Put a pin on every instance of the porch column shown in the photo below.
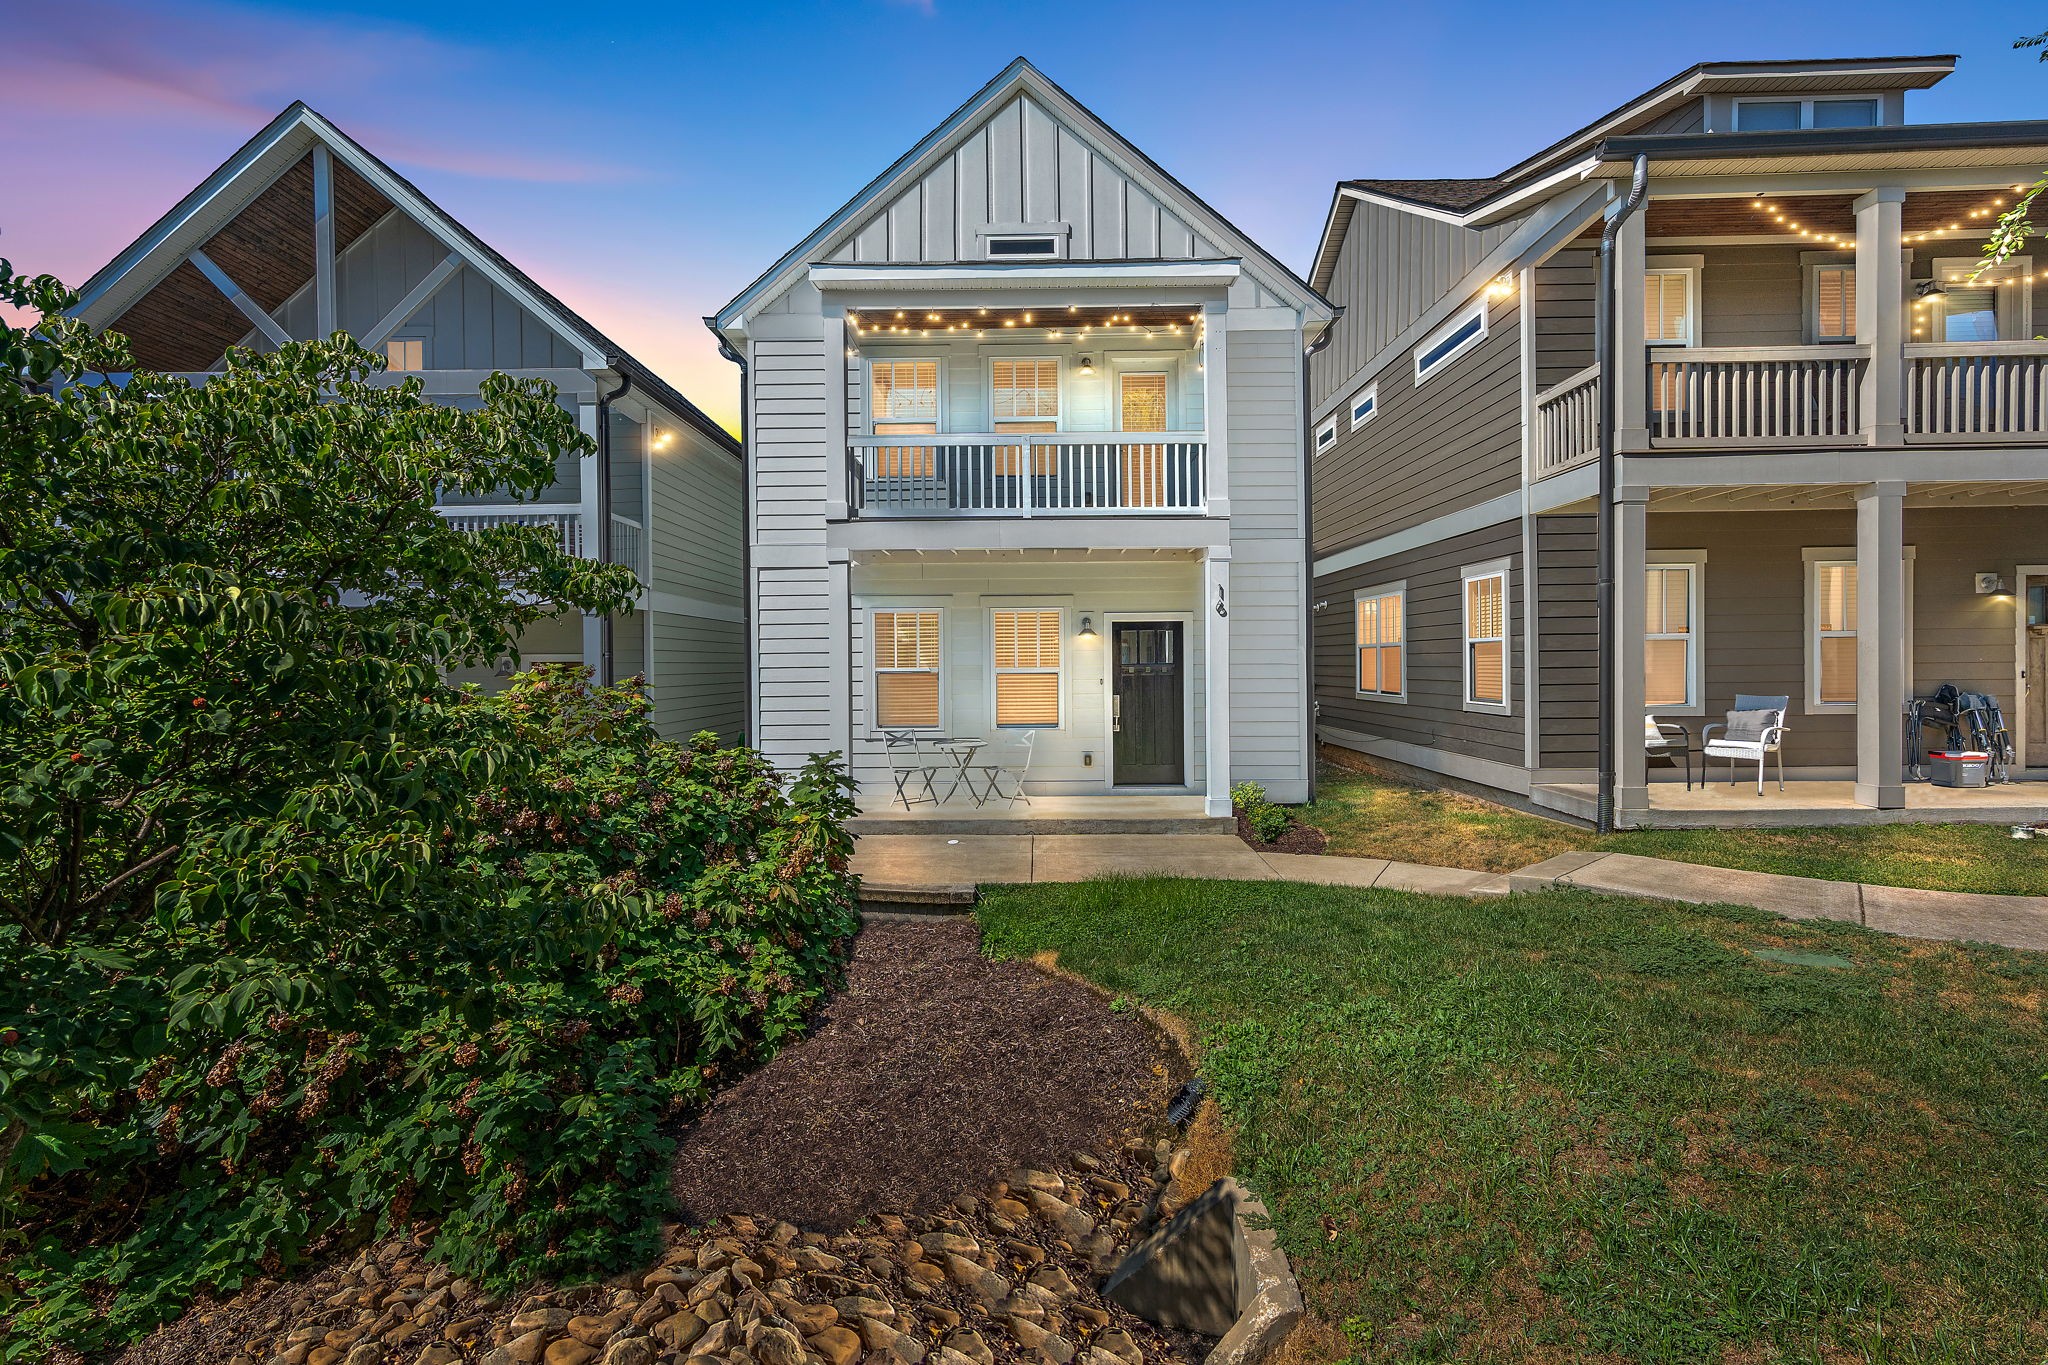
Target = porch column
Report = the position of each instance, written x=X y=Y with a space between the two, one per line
x=839 y=649
x=1216 y=408
x=1631 y=353
x=1881 y=313
x=1881 y=645
x=1631 y=759
x=1215 y=610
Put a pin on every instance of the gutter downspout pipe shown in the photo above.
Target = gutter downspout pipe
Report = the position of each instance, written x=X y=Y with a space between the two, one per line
x=1603 y=600
x=1308 y=547
x=606 y=666
x=730 y=352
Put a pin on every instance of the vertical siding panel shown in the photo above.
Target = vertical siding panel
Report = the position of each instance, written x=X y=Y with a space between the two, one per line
x=1142 y=233
x=1108 y=193
x=906 y=226
x=1006 y=163
x=1074 y=157
x=973 y=192
x=941 y=241
x=1040 y=164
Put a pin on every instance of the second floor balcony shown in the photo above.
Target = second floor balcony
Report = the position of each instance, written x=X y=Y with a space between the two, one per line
x=1049 y=474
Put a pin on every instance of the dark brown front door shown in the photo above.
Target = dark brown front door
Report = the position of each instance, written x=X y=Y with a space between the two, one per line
x=1148 y=704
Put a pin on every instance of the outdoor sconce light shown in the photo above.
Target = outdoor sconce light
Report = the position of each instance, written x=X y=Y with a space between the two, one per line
x=1087 y=635
x=1087 y=366
x=1988 y=583
x=1503 y=285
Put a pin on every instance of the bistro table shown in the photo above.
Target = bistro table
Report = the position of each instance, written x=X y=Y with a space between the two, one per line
x=961 y=751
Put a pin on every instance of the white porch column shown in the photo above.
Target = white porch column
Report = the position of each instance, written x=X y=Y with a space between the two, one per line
x=1215 y=611
x=839 y=649
x=1216 y=407
x=1881 y=645
x=1631 y=759
x=1881 y=313
x=1631 y=354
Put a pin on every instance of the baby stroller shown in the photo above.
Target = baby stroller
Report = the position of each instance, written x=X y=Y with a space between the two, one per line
x=1966 y=721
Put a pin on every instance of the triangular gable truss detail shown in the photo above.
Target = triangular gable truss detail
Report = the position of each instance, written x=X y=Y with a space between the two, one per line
x=1156 y=217
x=249 y=229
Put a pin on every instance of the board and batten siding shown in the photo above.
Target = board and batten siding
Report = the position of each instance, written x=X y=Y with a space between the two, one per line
x=1434 y=715
x=1455 y=441
x=1754 y=616
x=1393 y=267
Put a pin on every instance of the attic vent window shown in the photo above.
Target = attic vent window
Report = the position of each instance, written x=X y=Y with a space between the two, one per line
x=1023 y=246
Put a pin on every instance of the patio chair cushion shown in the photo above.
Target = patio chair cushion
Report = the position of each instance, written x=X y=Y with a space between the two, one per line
x=1747 y=727
x=1735 y=748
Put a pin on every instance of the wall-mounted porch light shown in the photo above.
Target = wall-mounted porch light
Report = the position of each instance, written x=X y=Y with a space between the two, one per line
x=1989 y=584
x=1087 y=634
x=1087 y=365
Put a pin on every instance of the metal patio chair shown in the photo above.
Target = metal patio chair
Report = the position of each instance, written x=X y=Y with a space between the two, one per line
x=1012 y=761
x=911 y=768
x=1669 y=739
x=1753 y=730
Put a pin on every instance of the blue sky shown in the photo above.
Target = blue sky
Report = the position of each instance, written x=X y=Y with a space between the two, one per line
x=646 y=160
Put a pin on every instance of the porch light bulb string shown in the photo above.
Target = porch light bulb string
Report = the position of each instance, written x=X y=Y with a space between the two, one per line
x=900 y=322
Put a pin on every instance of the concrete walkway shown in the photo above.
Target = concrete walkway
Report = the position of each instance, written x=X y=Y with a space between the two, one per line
x=926 y=863
x=2015 y=921
x=934 y=870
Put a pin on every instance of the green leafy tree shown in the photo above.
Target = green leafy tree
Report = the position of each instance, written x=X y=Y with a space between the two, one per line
x=2015 y=225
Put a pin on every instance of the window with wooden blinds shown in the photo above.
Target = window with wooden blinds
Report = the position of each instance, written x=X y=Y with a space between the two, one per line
x=1834 y=303
x=1027 y=668
x=1667 y=307
x=1025 y=395
x=903 y=400
x=1379 y=627
x=1834 y=625
x=906 y=670
x=1486 y=639
x=1668 y=635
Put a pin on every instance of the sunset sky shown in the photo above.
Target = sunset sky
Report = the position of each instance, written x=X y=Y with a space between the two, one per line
x=645 y=161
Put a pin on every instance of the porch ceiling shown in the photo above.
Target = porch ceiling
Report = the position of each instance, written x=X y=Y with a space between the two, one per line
x=1816 y=215
x=1041 y=556
x=1099 y=323
x=1817 y=497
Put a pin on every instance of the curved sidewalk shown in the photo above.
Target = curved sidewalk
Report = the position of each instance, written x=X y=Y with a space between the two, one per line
x=938 y=871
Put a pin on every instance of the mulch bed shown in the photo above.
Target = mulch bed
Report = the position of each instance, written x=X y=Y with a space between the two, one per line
x=1299 y=838
x=935 y=1071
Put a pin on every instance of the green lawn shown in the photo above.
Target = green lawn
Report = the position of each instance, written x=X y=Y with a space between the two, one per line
x=1367 y=815
x=1566 y=1126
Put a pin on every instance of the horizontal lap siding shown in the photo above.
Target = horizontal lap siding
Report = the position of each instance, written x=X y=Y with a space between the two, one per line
x=699 y=671
x=1434 y=716
x=1568 y=642
x=1268 y=694
x=697 y=521
x=1565 y=288
x=794 y=677
x=1750 y=296
x=1455 y=441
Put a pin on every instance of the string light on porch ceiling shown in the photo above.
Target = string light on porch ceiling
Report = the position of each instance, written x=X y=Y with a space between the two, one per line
x=1984 y=215
x=1074 y=323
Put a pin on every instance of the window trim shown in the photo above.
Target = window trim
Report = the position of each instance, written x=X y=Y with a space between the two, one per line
x=423 y=335
x=1059 y=672
x=875 y=670
x=1810 y=637
x=1806 y=103
x=1326 y=435
x=2015 y=306
x=1695 y=563
x=1370 y=394
x=1396 y=590
x=1811 y=263
x=867 y=393
x=1453 y=325
x=1691 y=268
x=1471 y=573
x=1054 y=243
x=1059 y=380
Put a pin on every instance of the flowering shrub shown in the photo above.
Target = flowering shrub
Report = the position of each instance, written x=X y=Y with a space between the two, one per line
x=296 y=942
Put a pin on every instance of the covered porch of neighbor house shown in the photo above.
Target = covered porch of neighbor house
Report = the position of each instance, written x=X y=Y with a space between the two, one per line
x=1085 y=677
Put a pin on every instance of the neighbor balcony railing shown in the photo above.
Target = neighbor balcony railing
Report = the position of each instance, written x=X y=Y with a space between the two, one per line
x=1991 y=391
x=1568 y=423
x=1756 y=395
x=567 y=526
x=1018 y=475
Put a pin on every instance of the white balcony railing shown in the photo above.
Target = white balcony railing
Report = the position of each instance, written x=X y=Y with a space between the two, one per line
x=1757 y=396
x=627 y=540
x=566 y=525
x=1990 y=391
x=1568 y=423
x=1045 y=474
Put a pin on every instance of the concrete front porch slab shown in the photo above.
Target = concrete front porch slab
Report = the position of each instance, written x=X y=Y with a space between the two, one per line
x=1077 y=857
x=903 y=861
x=1136 y=813
x=1808 y=803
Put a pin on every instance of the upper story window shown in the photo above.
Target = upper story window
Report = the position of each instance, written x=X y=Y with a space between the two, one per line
x=1670 y=306
x=903 y=397
x=1764 y=116
x=1024 y=245
x=1364 y=405
x=1326 y=435
x=1831 y=289
x=1464 y=331
x=405 y=355
x=1024 y=395
x=1979 y=303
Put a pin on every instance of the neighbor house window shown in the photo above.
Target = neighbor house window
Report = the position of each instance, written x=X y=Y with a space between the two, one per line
x=1983 y=303
x=1379 y=625
x=1832 y=289
x=1486 y=638
x=1766 y=116
x=1364 y=404
x=1833 y=618
x=1668 y=307
x=1326 y=435
x=1671 y=652
x=903 y=400
x=1464 y=331
x=1027 y=668
x=906 y=670
x=405 y=355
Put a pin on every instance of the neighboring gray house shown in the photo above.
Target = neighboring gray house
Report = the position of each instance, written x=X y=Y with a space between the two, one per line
x=1024 y=451
x=1832 y=444
x=302 y=232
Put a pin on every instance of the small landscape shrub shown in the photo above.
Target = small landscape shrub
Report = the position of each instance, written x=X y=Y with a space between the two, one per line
x=1268 y=820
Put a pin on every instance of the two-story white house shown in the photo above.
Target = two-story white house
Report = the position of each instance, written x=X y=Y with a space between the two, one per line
x=1024 y=451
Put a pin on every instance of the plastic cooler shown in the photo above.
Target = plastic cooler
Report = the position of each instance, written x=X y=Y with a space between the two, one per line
x=1960 y=769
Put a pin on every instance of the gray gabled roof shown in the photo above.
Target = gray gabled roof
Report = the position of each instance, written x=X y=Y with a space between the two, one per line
x=245 y=174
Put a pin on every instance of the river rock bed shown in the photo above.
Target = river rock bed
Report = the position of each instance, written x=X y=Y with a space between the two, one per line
x=1007 y=1276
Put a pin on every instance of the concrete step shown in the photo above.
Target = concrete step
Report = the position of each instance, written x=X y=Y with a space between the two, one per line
x=1025 y=823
